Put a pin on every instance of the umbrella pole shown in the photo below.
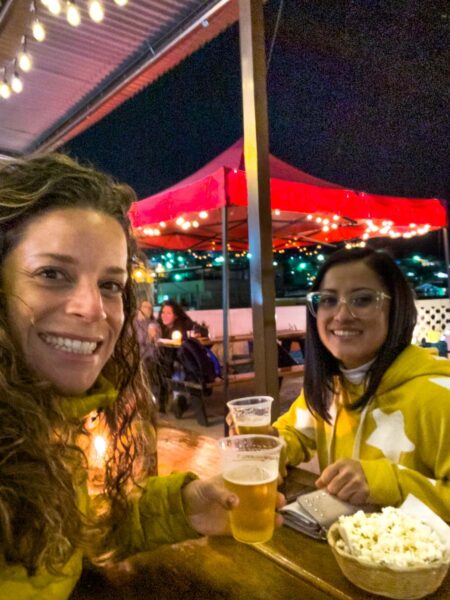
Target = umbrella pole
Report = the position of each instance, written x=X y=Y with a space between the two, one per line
x=446 y=258
x=225 y=308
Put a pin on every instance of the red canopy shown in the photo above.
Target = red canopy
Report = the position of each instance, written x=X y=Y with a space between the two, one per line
x=305 y=209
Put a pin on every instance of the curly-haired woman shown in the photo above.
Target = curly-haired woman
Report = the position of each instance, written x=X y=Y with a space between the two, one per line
x=77 y=439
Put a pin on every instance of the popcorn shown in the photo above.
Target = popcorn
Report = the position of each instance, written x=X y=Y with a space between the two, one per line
x=390 y=538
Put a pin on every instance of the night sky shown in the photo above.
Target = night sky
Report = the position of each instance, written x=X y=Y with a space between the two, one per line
x=357 y=90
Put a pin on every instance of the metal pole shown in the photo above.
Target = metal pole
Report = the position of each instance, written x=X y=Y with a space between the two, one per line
x=256 y=153
x=225 y=308
x=446 y=257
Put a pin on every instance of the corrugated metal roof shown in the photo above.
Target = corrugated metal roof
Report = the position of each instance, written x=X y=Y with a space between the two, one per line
x=81 y=74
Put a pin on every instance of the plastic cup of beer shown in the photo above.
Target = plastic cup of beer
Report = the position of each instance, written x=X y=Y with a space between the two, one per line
x=250 y=470
x=251 y=414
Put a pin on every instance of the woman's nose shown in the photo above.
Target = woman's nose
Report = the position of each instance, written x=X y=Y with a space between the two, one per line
x=342 y=310
x=86 y=301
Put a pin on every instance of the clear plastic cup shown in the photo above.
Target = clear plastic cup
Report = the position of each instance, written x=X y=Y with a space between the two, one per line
x=250 y=470
x=251 y=415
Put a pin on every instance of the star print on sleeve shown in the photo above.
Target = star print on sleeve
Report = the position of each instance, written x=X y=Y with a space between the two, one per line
x=304 y=422
x=442 y=381
x=389 y=435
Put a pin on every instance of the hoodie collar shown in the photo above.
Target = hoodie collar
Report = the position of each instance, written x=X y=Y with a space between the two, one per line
x=101 y=395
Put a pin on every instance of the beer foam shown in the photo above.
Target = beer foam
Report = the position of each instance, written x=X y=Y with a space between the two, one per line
x=253 y=420
x=250 y=474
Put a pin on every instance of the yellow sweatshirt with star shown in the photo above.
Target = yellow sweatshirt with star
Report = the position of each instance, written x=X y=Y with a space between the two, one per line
x=402 y=439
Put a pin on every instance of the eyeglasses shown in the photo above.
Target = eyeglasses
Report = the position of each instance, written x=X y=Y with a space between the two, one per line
x=361 y=304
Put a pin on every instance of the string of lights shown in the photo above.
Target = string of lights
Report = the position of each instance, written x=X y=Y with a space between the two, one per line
x=12 y=70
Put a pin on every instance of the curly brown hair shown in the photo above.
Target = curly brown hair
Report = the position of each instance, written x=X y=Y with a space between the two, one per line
x=40 y=460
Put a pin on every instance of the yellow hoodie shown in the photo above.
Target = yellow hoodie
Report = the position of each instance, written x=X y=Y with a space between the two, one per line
x=402 y=438
x=156 y=517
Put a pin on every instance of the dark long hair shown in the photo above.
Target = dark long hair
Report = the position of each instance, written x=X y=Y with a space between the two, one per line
x=321 y=368
x=40 y=521
x=182 y=320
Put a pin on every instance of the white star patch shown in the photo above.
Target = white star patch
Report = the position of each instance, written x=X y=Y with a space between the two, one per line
x=389 y=435
x=305 y=423
x=442 y=381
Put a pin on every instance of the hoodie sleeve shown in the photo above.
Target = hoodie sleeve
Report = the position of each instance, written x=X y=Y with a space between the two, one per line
x=423 y=470
x=298 y=429
x=157 y=515
x=390 y=484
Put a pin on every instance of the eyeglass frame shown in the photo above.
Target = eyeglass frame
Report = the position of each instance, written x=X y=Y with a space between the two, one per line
x=379 y=295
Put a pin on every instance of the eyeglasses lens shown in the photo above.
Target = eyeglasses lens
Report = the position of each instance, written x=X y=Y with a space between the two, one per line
x=360 y=304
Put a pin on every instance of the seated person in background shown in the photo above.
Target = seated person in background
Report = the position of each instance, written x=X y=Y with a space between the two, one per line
x=70 y=369
x=148 y=332
x=146 y=326
x=172 y=317
x=375 y=408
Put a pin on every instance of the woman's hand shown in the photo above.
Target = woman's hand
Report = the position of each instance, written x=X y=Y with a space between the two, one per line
x=207 y=503
x=345 y=479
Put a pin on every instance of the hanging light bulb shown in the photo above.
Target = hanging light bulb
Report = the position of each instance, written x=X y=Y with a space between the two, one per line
x=24 y=61
x=121 y=2
x=54 y=6
x=38 y=30
x=5 y=90
x=96 y=10
x=24 y=58
x=16 y=83
x=73 y=14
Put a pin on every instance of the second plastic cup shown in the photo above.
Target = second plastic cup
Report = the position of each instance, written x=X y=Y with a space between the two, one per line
x=250 y=470
x=251 y=415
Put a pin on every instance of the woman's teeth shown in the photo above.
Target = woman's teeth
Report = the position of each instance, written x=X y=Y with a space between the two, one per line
x=69 y=345
x=345 y=333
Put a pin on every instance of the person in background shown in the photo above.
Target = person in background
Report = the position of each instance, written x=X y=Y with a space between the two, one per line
x=172 y=317
x=70 y=379
x=148 y=332
x=374 y=407
x=146 y=326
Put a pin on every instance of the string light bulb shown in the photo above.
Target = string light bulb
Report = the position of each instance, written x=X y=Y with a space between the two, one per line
x=96 y=11
x=38 y=30
x=54 y=6
x=16 y=83
x=121 y=2
x=24 y=58
x=5 y=90
x=73 y=14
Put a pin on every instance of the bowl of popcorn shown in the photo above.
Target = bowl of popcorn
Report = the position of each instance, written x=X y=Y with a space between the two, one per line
x=390 y=553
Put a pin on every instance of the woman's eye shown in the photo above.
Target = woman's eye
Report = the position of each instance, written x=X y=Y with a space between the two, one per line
x=363 y=300
x=328 y=301
x=52 y=274
x=113 y=287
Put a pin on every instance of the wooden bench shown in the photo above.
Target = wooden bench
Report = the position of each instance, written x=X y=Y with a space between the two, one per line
x=197 y=392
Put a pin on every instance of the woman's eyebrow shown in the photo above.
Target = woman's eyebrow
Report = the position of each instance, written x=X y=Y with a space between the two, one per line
x=70 y=260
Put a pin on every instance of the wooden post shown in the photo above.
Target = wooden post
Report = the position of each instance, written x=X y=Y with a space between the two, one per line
x=256 y=153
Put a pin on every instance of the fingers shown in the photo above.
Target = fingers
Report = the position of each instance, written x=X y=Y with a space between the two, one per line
x=281 y=501
x=345 y=479
x=328 y=474
x=278 y=520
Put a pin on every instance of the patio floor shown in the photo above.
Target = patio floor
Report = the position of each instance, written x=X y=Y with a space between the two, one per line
x=215 y=408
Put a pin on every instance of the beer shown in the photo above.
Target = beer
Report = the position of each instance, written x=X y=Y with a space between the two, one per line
x=256 y=486
x=253 y=424
x=251 y=415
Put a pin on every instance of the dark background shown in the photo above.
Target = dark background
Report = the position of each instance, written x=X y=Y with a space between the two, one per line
x=357 y=90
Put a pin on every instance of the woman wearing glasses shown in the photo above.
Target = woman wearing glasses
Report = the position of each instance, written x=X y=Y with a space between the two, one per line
x=374 y=407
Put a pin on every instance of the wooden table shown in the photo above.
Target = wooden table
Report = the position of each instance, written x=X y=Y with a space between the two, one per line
x=289 y=567
x=282 y=334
